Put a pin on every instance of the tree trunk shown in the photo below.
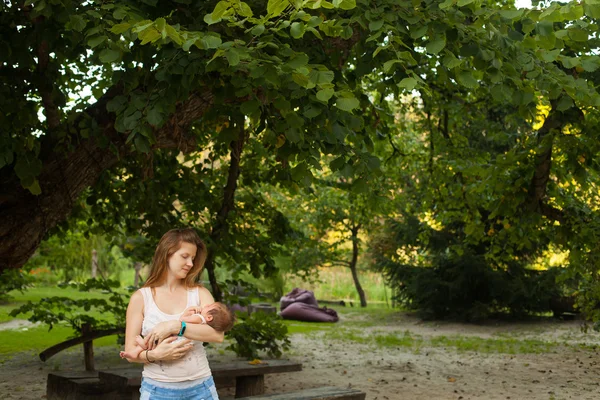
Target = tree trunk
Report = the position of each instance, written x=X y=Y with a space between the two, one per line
x=26 y=218
x=353 y=263
x=136 y=279
x=94 y=263
x=221 y=227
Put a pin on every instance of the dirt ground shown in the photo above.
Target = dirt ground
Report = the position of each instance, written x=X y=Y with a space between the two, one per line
x=569 y=369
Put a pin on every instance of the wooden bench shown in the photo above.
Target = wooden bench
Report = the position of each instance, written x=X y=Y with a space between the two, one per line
x=322 y=393
x=249 y=378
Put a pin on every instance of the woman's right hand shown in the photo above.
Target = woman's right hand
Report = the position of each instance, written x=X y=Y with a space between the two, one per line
x=169 y=349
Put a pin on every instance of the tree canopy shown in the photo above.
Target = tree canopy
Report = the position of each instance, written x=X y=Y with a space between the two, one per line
x=152 y=110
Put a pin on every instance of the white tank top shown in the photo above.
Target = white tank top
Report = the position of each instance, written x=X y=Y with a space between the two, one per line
x=193 y=365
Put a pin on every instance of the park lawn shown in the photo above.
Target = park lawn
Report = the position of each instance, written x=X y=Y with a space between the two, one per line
x=37 y=293
x=38 y=338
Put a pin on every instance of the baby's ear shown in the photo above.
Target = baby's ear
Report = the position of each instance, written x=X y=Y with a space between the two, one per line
x=209 y=318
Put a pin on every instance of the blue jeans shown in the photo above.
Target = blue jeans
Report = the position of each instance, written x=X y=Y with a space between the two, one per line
x=203 y=391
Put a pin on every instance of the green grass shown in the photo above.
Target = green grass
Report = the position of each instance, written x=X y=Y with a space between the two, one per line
x=35 y=294
x=459 y=343
x=38 y=338
x=504 y=346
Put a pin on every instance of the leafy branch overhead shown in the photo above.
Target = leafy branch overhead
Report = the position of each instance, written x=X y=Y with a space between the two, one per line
x=121 y=84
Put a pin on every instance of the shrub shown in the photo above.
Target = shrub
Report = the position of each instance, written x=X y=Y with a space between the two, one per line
x=259 y=332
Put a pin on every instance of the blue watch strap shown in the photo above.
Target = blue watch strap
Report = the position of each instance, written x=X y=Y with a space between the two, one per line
x=182 y=330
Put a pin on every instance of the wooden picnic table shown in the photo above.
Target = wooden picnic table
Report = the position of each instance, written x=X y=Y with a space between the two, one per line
x=249 y=378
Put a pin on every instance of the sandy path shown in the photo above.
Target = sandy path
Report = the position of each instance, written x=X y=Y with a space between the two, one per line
x=428 y=372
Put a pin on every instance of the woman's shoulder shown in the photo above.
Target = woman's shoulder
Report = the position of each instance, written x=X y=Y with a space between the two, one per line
x=205 y=296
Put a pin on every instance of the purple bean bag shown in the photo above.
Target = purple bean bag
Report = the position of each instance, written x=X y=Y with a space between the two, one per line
x=309 y=313
x=298 y=295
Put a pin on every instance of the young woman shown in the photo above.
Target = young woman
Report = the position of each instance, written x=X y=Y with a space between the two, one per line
x=175 y=363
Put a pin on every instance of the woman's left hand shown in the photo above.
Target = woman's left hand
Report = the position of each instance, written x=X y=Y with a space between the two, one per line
x=160 y=332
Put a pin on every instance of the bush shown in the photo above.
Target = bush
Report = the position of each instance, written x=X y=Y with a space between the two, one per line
x=257 y=333
x=12 y=279
x=470 y=289
x=76 y=313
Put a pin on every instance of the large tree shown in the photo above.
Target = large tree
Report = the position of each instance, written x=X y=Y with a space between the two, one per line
x=166 y=76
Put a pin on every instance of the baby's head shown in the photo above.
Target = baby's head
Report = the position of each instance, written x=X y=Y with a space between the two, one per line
x=219 y=316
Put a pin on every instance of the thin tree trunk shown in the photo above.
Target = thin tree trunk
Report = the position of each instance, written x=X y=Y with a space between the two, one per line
x=353 y=264
x=136 y=279
x=221 y=226
x=94 y=263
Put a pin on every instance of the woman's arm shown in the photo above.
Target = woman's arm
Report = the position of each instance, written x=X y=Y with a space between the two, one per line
x=133 y=326
x=166 y=350
x=201 y=333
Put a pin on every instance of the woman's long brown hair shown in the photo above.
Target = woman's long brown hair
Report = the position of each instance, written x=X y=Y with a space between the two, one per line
x=169 y=243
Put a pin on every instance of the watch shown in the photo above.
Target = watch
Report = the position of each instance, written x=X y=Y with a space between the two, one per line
x=182 y=330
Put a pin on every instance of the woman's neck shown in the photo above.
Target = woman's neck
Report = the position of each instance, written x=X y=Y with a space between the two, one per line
x=173 y=284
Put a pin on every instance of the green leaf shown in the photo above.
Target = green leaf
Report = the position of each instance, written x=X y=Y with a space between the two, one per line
x=446 y=4
x=347 y=103
x=545 y=28
x=208 y=18
x=408 y=83
x=233 y=57
x=220 y=9
x=590 y=64
x=211 y=42
x=338 y=163
x=376 y=25
x=510 y=14
x=95 y=41
x=141 y=144
x=321 y=77
x=160 y=25
x=154 y=117
x=149 y=35
x=119 y=13
x=120 y=28
x=344 y=4
x=462 y=3
x=467 y=79
x=174 y=35
x=109 y=55
x=35 y=188
x=77 y=23
x=564 y=103
x=244 y=10
x=258 y=30
x=420 y=32
x=436 y=46
x=578 y=34
x=387 y=66
x=570 y=62
x=250 y=107
x=276 y=7
x=297 y=30
x=325 y=94
x=297 y=61
x=450 y=61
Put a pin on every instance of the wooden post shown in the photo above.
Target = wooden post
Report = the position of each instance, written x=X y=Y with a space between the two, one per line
x=94 y=263
x=136 y=278
x=88 y=348
x=246 y=386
